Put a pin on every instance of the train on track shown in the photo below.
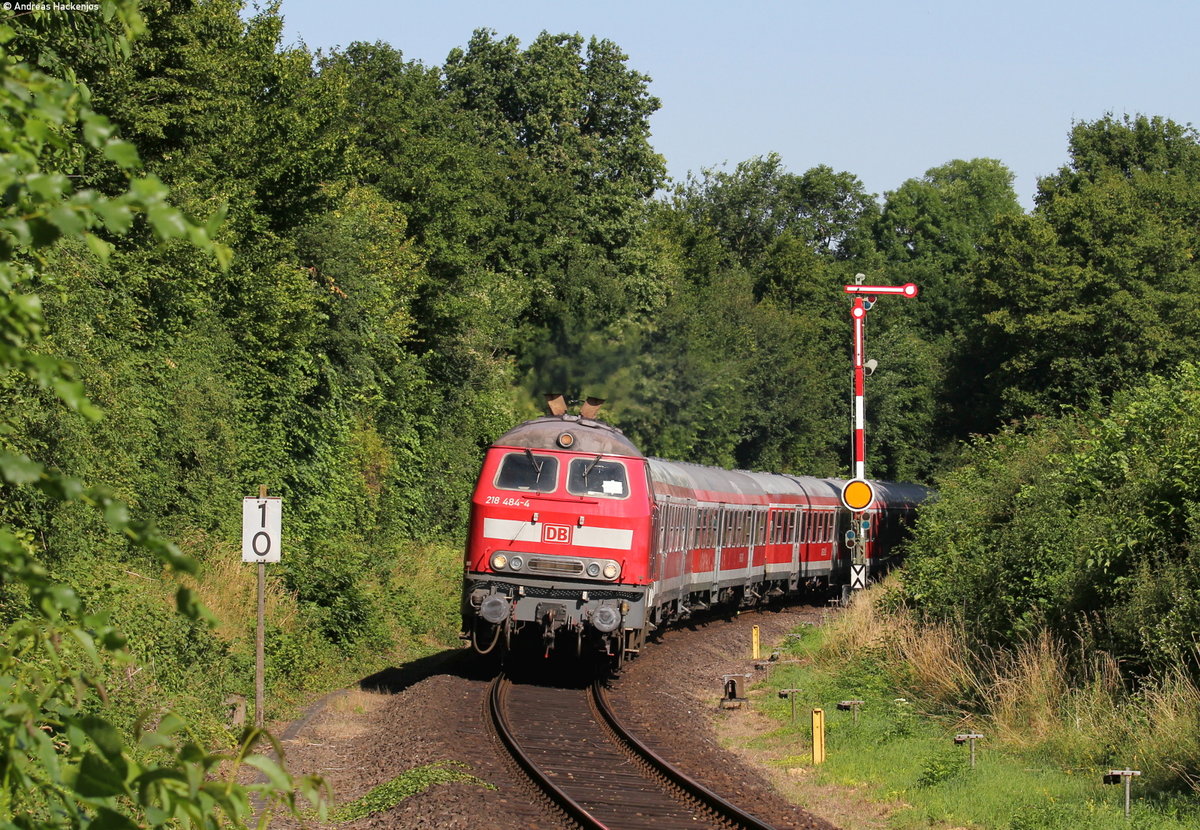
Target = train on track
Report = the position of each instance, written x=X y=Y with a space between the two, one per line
x=578 y=540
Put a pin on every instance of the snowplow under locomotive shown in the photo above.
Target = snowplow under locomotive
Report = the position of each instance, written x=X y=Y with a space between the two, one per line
x=576 y=538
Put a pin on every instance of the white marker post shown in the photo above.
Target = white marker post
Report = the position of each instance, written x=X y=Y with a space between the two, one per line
x=261 y=541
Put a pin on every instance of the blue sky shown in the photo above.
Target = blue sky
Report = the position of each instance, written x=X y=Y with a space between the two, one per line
x=882 y=90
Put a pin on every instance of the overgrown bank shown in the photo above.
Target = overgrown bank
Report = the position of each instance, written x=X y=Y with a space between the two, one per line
x=1049 y=602
x=1086 y=526
x=1050 y=732
x=205 y=672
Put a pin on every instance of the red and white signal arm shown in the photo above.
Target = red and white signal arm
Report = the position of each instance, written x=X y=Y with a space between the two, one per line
x=857 y=494
x=262 y=521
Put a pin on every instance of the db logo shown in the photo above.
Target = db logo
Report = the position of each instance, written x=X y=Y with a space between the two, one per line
x=556 y=534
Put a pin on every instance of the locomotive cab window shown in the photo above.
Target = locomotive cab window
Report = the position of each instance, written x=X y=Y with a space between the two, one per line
x=526 y=471
x=597 y=477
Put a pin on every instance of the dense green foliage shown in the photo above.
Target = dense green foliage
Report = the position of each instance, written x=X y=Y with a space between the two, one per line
x=396 y=260
x=1103 y=543
x=63 y=761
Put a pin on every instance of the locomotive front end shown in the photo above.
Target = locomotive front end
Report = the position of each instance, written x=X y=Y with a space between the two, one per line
x=559 y=539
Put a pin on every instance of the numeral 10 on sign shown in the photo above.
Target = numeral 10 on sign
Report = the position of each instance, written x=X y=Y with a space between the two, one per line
x=261 y=522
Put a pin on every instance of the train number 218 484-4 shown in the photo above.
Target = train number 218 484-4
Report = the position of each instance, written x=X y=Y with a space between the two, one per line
x=508 y=502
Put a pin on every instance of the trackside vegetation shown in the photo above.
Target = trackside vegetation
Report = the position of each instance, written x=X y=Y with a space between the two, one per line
x=64 y=761
x=1108 y=498
x=1052 y=727
x=1072 y=662
x=391 y=793
x=227 y=261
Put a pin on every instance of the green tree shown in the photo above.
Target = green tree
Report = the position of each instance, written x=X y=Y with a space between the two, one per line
x=1100 y=544
x=1098 y=286
x=573 y=124
x=931 y=231
x=582 y=119
x=63 y=764
x=759 y=202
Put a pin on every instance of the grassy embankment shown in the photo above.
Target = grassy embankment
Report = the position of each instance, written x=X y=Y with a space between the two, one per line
x=194 y=669
x=1054 y=723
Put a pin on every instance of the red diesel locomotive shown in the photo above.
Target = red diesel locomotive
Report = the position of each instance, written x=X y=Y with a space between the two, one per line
x=576 y=536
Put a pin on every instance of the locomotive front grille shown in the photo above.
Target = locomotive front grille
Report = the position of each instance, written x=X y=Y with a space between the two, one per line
x=555 y=566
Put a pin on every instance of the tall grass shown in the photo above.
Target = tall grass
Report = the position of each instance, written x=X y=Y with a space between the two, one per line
x=195 y=671
x=1062 y=701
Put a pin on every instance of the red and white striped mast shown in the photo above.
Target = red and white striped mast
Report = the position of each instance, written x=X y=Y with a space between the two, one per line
x=866 y=297
x=857 y=493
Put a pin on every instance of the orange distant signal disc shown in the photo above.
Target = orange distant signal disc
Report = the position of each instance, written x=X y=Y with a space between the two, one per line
x=857 y=494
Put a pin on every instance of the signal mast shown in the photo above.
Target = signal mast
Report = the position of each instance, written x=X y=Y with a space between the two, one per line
x=857 y=493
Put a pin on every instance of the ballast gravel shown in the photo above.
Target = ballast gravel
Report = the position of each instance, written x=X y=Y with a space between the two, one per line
x=432 y=711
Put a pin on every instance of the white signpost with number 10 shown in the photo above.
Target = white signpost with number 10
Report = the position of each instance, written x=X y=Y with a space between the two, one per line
x=261 y=521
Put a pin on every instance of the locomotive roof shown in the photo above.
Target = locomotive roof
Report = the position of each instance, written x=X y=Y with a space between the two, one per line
x=590 y=436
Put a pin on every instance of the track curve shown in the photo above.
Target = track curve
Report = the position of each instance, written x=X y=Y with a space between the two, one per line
x=572 y=747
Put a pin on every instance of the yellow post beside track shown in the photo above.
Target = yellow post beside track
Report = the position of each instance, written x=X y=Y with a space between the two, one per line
x=818 y=736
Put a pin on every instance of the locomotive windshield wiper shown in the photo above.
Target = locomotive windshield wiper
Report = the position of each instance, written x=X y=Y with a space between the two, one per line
x=537 y=466
x=588 y=469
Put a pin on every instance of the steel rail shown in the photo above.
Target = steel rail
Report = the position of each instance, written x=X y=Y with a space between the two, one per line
x=720 y=808
x=558 y=799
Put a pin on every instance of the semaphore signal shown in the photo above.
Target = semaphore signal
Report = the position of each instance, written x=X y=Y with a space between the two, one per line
x=857 y=494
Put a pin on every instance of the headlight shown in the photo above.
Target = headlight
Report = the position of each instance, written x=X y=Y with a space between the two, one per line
x=593 y=570
x=499 y=560
x=516 y=563
x=611 y=570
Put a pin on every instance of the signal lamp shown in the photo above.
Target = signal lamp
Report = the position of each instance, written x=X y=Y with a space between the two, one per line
x=499 y=561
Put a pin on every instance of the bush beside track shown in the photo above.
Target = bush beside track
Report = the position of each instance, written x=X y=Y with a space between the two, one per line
x=1046 y=747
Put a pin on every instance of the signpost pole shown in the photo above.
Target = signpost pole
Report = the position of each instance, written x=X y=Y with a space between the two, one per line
x=262 y=538
x=260 y=636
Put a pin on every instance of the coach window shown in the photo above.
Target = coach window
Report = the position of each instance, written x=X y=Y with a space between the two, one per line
x=597 y=477
x=526 y=471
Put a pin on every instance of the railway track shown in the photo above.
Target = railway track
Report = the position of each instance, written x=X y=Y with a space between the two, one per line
x=573 y=749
